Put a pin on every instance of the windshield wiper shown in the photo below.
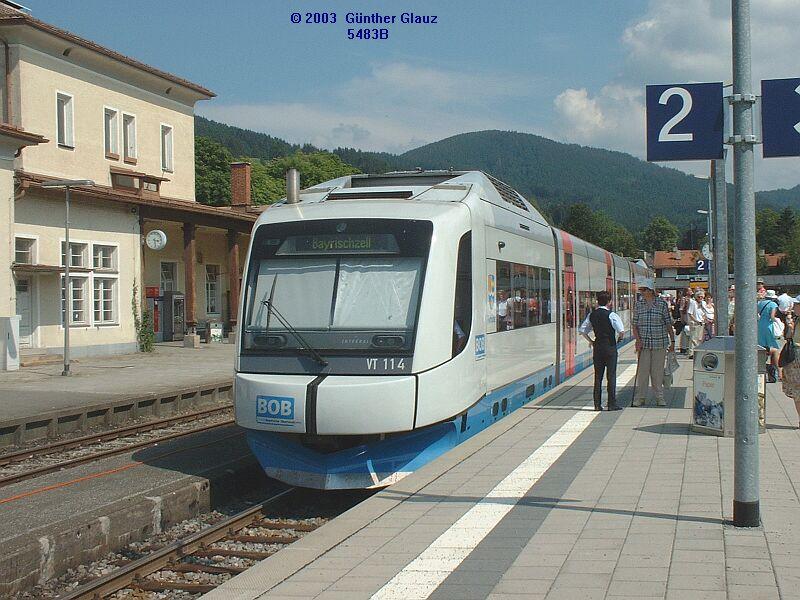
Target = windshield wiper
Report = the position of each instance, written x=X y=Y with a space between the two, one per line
x=300 y=339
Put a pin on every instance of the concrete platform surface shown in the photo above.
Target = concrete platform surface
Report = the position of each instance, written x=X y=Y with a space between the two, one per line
x=560 y=502
x=35 y=392
x=76 y=515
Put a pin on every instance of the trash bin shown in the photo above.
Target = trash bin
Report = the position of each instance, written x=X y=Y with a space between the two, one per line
x=714 y=397
x=215 y=331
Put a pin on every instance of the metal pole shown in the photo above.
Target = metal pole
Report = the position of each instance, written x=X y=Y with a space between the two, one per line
x=712 y=286
x=745 y=456
x=67 y=290
x=721 y=245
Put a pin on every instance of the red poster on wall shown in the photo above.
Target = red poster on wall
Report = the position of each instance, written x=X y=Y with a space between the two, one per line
x=152 y=291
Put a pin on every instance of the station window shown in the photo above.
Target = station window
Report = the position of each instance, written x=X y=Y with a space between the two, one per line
x=65 y=134
x=166 y=148
x=523 y=296
x=77 y=254
x=105 y=300
x=24 y=251
x=129 y=138
x=111 y=132
x=168 y=270
x=462 y=312
x=78 y=315
x=212 y=289
x=104 y=257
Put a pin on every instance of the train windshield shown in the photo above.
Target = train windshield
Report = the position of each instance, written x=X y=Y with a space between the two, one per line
x=343 y=285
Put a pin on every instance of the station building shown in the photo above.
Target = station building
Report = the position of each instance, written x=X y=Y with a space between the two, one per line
x=73 y=109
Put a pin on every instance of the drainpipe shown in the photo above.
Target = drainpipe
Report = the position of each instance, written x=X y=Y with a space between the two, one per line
x=7 y=83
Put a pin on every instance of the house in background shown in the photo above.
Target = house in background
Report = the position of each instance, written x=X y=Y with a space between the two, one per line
x=77 y=110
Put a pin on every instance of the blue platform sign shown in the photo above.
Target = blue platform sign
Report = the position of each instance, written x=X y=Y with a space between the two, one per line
x=703 y=265
x=780 y=117
x=684 y=121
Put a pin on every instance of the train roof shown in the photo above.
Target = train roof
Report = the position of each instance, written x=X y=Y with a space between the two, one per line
x=422 y=186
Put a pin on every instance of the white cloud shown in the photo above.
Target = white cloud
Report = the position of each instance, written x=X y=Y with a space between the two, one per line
x=582 y=114
x=395 y=107
x=683 y=41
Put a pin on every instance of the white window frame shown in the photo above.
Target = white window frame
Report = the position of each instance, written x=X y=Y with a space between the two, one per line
x=87 y=253
x=175 y=273
x=34 y=239
x=69 y=121
x=167 y=153
x=87 y=310
x=101 y=322
x=114 y=268
x=218 y=290
x=126 y=156
x=112 y=150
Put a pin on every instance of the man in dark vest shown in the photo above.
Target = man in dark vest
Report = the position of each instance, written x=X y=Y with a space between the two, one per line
x=608 y=330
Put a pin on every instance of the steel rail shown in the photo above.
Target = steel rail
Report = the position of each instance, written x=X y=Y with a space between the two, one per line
x=97 y=438
x=127 y=575
x=45 y=469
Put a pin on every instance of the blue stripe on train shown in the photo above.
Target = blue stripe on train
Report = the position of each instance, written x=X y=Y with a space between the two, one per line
x=368 y=464
x=377 y=463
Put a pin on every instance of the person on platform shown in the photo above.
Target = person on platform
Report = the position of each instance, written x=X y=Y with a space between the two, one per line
x=731 y=309
x=696 y=320
x=608 y=331
x=683 y=310
x=710 y=313
x=652 y=330
x=791 y=371
x=767 y=315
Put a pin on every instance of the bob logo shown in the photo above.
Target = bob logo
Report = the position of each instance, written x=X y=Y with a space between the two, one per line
x=274 y=410
x=480 y=346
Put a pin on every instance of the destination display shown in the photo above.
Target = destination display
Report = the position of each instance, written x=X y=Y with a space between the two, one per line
x=343 y=243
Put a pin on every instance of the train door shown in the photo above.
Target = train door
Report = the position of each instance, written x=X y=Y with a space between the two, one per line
x=610 y=278
x=568 y=287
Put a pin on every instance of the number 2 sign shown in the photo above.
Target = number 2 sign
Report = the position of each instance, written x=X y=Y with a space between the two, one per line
x=684 y=121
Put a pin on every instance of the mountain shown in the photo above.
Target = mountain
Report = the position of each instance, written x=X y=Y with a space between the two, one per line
x=245 y=142
x=552 y=174
x=780 y=198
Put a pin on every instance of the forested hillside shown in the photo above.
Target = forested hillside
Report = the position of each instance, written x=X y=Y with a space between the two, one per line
x=610 y=198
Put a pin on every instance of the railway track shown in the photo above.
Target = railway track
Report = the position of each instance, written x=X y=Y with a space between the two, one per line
x=26 y=464
x=204 y=560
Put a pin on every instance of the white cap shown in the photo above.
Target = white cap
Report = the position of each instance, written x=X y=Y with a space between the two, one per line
x=771 y=294
x=785 y=304
x=645 y=282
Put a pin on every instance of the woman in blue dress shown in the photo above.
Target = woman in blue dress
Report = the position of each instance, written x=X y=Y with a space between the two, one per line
x=766 y=334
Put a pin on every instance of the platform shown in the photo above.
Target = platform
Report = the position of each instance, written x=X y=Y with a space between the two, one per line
x=560 y=502
x=38 y=402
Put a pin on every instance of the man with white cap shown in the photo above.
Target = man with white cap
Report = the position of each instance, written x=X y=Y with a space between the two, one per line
x=696 y=320
x=653 y=332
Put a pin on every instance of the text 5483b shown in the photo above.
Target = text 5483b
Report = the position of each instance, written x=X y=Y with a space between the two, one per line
x=368 y=34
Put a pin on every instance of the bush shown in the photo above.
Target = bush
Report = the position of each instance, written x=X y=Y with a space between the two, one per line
x=145 y=335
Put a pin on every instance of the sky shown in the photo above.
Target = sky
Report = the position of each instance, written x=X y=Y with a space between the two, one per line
x=571 y=70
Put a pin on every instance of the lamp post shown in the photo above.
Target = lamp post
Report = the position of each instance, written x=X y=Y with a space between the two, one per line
x=67 y=184
x=712 y=288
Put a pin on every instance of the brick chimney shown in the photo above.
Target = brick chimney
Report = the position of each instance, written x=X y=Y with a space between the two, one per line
x=240 y=185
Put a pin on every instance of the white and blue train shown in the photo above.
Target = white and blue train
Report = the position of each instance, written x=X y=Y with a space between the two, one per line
x=387 y=318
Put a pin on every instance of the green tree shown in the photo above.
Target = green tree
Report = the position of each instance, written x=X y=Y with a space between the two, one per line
x=268 y=179
x=599 y=229
x=212 y=172
x=659 y=234
x=768 y=232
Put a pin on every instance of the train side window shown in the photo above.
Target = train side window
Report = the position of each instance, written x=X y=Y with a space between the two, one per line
x=523 y=296
x=545 y=301
x=462 y=313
